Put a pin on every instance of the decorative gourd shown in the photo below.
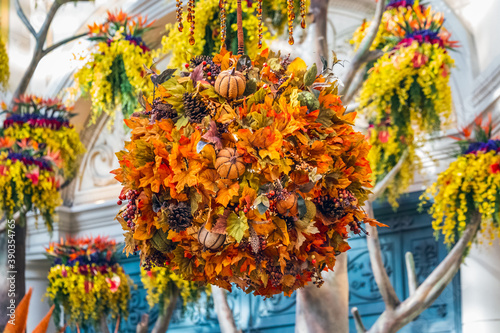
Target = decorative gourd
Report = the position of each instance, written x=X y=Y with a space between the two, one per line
x=160 y=241
x=211 y=240
x=230 y=84
x=288 y=207
x=230 y=164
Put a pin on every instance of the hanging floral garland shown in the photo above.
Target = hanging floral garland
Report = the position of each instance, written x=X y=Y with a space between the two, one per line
x=216 y=27
x=408 y=86
x=39 y=150
x=252 y=180
x=4 y=65
x=159 y=283
x=114 y=73
x=471 y=183
x=86 y=282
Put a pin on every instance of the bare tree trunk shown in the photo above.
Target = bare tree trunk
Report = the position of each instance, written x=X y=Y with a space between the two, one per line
x=161 y=325
x=319 y=8
x=224 y=313
x=104 y=325
x=325 y=309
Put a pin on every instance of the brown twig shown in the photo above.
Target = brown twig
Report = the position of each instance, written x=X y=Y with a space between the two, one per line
x=239 y=17
x=360 y=327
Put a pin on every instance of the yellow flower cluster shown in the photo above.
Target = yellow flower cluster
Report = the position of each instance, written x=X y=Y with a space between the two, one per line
x=470 y=182
x=4 y=65
x=385 y=154
x=159 y=283
x=110 y=84
x=18 y=192
x=65 y=140
x=393 y=76
x=412 y=96
x=178 y=42
x=87 y=297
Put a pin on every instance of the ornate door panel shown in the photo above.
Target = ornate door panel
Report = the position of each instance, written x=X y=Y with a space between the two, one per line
x=408 y=231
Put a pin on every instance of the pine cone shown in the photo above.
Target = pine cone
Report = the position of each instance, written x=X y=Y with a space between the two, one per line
x=162 y=111
x=195 y=109
x=200 y=59
x=180 y=217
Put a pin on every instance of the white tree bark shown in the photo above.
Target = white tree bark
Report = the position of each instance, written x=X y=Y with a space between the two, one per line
x=325 y=309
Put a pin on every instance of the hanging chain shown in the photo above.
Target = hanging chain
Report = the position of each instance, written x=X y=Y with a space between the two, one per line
x=222 y=8
x=179 y=15
x=291 y=18
x=191 y=19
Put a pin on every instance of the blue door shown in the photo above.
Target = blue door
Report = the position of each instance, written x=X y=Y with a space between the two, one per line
x=408 y=231
x=411 y=231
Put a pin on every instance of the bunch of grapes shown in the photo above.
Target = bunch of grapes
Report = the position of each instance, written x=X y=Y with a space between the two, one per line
x=131 y=210
x=336 y=208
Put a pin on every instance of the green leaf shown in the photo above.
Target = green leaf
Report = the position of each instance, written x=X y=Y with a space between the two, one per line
x=237 y=225
x=194 y=198
x=301 y=205
x=258 y=97
x=275 y=64
x=310 y=76
x=250 y=87
x=183 y=121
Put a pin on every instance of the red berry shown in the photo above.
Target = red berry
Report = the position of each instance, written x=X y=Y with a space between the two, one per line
x=245 y=210
x=167 y=263
x=272 y=193
x=264 y=86
x=209 y=73
x=204 y=63
x=186 y=65
x=236 y=209
x=119 y=202
x=314 y=261
x=265 y=64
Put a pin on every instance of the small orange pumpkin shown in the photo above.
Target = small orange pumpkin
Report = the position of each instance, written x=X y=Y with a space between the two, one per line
x=230 y=84
x=211 y=240
x=230 y=164
x=288 y=207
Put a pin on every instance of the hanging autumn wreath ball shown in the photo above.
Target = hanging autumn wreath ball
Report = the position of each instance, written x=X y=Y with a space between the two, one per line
x=113 y=74
x=471 y=183
x=86 y=283
x=254 y=179
x=407 y=88
x=39 y=150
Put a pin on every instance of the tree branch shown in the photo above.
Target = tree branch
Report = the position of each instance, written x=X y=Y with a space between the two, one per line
x=392 y=320
x=39 y=53
x=358 y=79
x=361 y=56
x=161 y=325
x=62 y=42
x=384 y=284
x=410 y=270
x=382 y=185
x=142 y=327
x=224 y=313
x=24 y=19
x=360 y=328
